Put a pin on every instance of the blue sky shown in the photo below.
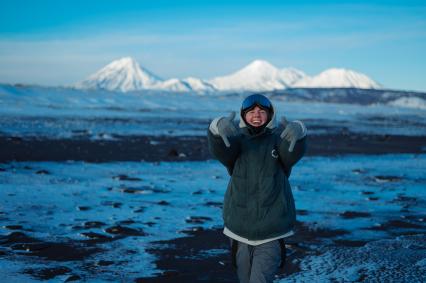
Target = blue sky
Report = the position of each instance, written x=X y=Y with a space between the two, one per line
x=62 y=42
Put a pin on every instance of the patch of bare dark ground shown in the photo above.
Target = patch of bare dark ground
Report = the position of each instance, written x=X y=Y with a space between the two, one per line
x=185 y=260
x=18 y=243
x=354 y=214
x=185 y=148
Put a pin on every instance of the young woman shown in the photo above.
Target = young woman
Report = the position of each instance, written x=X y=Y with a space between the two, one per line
x=259 y=209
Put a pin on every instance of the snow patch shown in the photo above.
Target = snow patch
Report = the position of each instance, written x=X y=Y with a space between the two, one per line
x=409 y=102
x=393 y=260
x=292 y=75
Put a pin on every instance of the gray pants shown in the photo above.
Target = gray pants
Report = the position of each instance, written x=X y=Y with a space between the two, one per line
x=258 y=264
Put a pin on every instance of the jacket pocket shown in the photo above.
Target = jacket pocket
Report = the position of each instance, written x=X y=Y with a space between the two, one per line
x=238 y=191
x=270 y=188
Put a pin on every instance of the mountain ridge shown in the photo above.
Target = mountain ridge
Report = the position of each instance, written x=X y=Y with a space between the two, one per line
x=126 y=74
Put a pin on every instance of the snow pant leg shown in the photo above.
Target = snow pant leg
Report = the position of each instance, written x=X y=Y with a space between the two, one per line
x=243 y=260
x=258 y=264
x=265 y=263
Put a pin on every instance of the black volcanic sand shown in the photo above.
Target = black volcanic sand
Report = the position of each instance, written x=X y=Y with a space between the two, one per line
x=186 y=148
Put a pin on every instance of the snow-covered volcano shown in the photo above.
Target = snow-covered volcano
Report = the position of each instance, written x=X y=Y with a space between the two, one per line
x=259 y=75
x=338 y=78
x=124 y=75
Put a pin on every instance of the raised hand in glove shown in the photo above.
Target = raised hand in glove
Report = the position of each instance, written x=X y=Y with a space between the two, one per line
x=226 y=128
x=293 y=131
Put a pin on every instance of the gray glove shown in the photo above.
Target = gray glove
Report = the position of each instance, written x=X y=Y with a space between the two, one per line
x=226 y=128
x=292 y=132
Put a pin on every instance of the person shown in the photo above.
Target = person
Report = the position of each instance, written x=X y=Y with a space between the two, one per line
x=258 y=210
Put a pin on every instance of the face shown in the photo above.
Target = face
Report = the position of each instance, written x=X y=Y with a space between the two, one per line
x=256 y=117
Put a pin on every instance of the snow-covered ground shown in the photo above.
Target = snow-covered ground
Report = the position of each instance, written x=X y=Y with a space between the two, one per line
x=409 y=102
x=401 y=259
x=357 y=194
x=67 y=113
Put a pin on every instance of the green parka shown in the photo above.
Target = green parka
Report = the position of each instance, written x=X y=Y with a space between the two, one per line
x=258 y=203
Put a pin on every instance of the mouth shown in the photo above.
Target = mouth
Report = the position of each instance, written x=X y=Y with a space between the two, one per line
x=256 y=122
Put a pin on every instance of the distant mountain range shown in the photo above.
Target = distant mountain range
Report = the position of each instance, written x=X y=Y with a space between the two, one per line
x=126 y=75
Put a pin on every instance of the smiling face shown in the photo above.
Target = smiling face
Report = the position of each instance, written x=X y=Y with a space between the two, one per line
x=256 y=117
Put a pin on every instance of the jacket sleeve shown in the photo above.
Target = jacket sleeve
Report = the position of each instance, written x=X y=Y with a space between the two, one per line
x=289 y=159
x=226 y=155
